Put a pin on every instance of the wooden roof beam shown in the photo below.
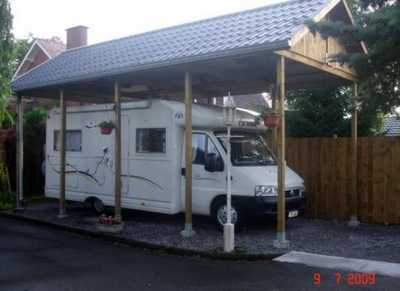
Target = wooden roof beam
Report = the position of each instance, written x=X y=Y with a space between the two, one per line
x=318 y=65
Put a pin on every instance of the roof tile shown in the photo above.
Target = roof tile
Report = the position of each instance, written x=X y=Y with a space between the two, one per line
x=267 y=26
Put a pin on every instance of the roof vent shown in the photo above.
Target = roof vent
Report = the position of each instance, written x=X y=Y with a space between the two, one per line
x=76 y=36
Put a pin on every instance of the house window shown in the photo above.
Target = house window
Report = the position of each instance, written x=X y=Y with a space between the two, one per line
x=73 y=140
x=150 y=140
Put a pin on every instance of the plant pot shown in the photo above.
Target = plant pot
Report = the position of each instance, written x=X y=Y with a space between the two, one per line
x=271 y=120
x=110 y=228
x=106 y=130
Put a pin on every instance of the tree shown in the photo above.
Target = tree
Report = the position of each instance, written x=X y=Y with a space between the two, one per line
x=319 y=112
x=377 y=24
x=20 y=49
x=6 y=54
x=326 y=112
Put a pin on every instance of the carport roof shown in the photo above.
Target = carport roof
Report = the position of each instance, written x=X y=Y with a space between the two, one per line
x=265 y=28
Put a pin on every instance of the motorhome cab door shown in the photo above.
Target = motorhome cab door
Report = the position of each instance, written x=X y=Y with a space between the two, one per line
x=208 y=172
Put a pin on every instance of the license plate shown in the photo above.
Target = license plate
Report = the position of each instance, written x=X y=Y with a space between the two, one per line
x=293 y=213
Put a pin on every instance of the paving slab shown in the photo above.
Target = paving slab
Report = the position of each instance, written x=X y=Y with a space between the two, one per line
x=341 y=263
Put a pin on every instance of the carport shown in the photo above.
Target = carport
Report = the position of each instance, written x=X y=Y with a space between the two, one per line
x=246 y=52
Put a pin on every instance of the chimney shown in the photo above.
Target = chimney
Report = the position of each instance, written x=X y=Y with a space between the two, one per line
x=76 y=36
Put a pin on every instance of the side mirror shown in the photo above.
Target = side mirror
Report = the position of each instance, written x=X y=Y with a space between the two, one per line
x=213 y=163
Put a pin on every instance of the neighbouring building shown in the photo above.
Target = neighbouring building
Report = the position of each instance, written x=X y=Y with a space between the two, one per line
x=40 y=51
x=391 y=126
x=43 y=50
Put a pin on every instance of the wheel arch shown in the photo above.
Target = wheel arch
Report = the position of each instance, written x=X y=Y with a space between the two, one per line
x=215 y=200
x=90 y=199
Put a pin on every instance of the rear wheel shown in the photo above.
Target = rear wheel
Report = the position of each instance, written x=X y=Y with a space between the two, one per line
x=219 y=213
x=97 y=205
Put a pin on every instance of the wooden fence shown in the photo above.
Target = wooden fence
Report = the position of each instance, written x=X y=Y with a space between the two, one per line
x=325 y=165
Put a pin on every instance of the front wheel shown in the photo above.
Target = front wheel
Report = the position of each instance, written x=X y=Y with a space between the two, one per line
x=220 y=214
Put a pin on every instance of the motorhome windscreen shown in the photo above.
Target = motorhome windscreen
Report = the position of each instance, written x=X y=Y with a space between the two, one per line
x=247 y=150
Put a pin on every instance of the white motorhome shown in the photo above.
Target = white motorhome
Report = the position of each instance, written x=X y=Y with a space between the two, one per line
x=153 y=163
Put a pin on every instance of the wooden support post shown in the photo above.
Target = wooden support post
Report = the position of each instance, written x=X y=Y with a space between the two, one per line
x=117 y=153
x=20 y=153
x=188 y=230
x=281 y=241
x=274 y=133
x=63 y=124
x=354 y=160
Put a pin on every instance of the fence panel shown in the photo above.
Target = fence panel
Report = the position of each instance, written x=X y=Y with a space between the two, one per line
x=325 y=165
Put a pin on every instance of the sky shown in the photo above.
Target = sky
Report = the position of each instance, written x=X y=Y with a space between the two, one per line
x=110 y=19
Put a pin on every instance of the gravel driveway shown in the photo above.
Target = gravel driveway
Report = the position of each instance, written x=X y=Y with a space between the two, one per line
x=375 y=242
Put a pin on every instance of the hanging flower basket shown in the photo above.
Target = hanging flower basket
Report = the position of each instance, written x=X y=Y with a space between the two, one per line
x=106 y=130
x=271 y=120
x=106 y=127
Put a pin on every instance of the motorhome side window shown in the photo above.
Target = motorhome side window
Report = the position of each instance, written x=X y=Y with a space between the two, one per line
x=73 y=140
x=150 y=140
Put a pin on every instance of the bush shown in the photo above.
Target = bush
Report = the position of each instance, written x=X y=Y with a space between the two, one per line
x=7 y=200
x=6 y=197
x=4 y=179
x=34 y=140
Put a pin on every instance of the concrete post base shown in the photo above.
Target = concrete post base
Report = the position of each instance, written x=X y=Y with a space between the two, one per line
x=281 y=242
x=229 y=237
x=62 y=215
x=19 y=209
x=20 y=206
x=188 y=231
x=354 y=222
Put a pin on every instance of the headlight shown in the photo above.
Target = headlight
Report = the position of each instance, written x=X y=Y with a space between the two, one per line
x=265 y=191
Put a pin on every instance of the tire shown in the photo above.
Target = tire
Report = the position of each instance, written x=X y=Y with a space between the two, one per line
x=97 y=205
x=218 y=213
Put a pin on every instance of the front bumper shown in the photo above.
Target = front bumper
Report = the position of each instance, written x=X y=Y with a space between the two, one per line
x=268 y=205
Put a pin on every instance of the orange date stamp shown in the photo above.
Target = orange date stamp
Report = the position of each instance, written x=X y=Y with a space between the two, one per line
x=351 y=279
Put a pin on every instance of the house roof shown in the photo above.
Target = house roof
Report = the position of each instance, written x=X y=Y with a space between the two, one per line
x=391 y=126
x=251 y=102
x=269 y=27
x=49 y=48
x=53 y=46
